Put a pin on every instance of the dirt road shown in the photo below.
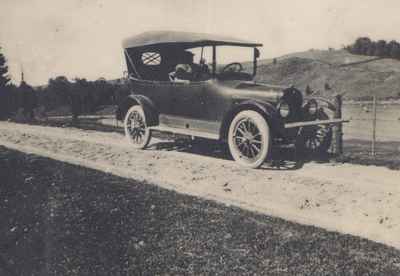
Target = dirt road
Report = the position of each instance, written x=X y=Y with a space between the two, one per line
x=359 y=200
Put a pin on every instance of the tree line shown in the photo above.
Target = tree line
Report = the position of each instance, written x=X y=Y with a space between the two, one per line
x=79 y=95
x=381 y=48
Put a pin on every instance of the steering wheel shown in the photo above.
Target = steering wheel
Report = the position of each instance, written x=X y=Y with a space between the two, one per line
x=232 y=67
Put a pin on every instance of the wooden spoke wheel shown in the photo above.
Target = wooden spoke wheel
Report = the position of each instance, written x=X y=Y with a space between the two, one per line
x=315 y=140
x=136 y=130
x=249 y=139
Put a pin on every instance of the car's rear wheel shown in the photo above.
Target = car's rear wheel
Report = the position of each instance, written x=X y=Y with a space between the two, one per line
x=249 y=139
x=136 y=130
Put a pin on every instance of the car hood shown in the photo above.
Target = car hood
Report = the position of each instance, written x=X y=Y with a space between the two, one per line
x=258 y=91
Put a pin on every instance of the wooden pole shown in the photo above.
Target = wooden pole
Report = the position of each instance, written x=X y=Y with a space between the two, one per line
x=214 y=61
x=373 y=127
x=339 y=127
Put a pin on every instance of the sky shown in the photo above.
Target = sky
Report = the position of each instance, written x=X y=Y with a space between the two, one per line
x=82 y=38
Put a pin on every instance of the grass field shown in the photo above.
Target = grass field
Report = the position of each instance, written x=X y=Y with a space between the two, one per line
x=354 y=75
x=60 y=219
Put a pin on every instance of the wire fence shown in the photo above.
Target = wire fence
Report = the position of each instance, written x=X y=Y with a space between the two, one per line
x=374 y=123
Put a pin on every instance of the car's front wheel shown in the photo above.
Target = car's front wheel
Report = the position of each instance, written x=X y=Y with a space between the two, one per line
x=249 y=139
x=136 y=130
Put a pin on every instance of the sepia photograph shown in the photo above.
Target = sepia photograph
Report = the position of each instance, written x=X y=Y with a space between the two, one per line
x=188 y=137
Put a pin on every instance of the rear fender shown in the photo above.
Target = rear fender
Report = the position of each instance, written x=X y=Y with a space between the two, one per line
x=267 y=110
x=150 y=111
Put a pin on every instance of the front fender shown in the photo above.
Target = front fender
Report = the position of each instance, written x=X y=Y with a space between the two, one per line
x=148 y=106
x=266 y=109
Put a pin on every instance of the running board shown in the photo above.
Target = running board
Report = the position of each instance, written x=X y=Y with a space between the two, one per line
x=317 y=122
x=184 y=131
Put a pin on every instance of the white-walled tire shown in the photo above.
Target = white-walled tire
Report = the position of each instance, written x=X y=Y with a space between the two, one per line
x=249 y=139
x=136 y=130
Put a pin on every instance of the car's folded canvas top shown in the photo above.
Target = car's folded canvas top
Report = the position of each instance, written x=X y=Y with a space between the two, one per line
x=184 y=39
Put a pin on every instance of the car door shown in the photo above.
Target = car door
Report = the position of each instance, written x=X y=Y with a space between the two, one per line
x=189 y=102
x=183 y=107
x=158 y=92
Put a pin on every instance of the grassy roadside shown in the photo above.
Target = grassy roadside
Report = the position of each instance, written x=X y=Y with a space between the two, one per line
x=359 y=152
x=68 y=220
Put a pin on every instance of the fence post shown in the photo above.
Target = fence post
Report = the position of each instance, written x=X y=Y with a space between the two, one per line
x=373 y=126
x=339 y=127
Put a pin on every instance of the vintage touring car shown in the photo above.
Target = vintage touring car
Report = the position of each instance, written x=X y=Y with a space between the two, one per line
x=172 y=92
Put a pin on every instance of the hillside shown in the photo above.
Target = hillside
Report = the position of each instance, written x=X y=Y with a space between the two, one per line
x=356 y=76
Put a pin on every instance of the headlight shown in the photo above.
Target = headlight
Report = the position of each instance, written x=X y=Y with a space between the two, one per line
x=284 y=109
x=312 y=107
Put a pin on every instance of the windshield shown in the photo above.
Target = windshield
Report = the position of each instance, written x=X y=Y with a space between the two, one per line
x=232 y=62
